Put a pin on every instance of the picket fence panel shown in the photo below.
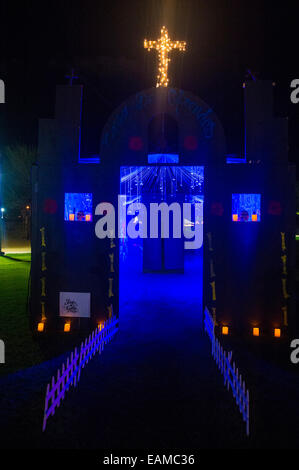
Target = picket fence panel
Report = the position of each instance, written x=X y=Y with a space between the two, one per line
x=69 y=374
x=232 y=378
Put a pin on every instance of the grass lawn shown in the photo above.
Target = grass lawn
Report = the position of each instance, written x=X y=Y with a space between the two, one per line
x=21 y=350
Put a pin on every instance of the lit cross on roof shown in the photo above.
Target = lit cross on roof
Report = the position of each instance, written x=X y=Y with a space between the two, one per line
x=164 y=45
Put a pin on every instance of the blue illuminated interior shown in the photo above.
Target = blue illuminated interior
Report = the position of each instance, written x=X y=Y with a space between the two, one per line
x=150 y=293
x=78 y=207
x=163 y=158
x=164 y=183
x=246 y=207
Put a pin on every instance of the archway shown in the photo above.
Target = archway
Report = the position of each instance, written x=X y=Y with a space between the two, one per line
x=160 y=272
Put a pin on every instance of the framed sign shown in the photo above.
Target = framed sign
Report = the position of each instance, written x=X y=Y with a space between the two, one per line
x=74 y=304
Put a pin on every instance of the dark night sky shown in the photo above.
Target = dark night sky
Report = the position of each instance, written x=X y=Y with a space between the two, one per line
x=103 y=40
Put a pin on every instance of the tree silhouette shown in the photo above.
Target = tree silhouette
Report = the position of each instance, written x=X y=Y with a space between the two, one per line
x=16 y=162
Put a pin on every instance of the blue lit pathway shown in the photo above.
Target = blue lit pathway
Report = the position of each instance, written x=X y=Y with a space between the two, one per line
x=156 y=384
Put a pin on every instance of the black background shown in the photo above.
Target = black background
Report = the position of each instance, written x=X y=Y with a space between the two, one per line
x=103 y=41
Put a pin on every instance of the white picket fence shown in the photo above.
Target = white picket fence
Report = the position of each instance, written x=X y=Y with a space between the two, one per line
x=232 y=378
x=69 y=374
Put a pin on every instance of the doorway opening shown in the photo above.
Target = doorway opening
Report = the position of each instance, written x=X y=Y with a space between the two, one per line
x=160 y=278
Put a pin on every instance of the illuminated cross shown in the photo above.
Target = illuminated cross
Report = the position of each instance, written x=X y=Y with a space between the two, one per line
x=164 y=45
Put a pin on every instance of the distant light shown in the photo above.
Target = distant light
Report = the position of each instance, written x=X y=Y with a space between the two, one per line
x=88 y=218
x=254 y=217
x=256 y=331
x=2 y=209
x=40 y=326
x=67 y=327
x=277 y=332
x=235 y=217
x=72 y=217
x=101 y=325
x=27 y=207
x=225 y=330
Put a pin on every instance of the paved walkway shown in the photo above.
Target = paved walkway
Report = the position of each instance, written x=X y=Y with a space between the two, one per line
x=155 y=385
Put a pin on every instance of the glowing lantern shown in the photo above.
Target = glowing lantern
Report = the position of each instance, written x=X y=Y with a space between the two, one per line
x=277 y=332
x=88 y=217
x=67 y=327
x=101 y=325
x=225 y=330
x=235 y=217
x=256 y=331
x=40 y=326
x=72 y=217
x=254 y=217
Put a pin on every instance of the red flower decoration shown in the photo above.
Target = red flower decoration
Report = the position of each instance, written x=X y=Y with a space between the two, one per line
x=50 y=206
x=274 y=208
x=190 y=142
x=217 y=209
x=136 y=143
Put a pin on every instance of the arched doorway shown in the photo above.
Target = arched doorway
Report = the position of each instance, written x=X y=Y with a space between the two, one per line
x=163 y=134
x=159 y=272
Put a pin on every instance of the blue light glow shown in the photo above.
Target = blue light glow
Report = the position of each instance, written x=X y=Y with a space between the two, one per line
x=234 y=159
x=78 y=207
x=93 y=160
x=167 y=183
x=143 y=294
x=246 y=207
x=163 y=158
x=162 y=182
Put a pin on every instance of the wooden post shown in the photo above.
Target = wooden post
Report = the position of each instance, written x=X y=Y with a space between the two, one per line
x=67 y=372
x=71 y=367
x=63 y=381
x=46 y=407
x=241 y=393
x=247 y=420
x=234 y=378
x=58 y=388
x=228 y=372
x=53 y=396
